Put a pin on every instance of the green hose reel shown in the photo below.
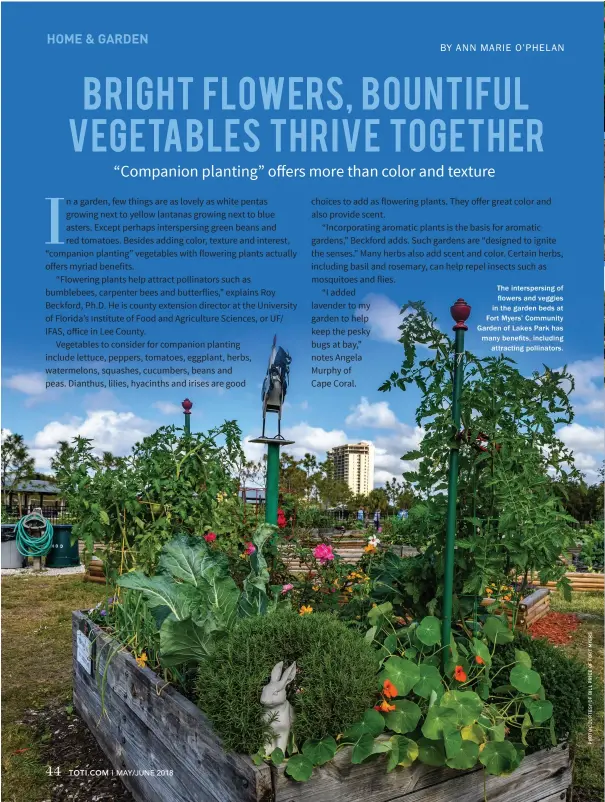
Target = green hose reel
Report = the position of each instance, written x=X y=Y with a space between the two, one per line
x=34 y=535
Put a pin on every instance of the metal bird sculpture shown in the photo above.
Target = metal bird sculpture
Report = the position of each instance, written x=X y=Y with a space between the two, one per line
x=275 y=384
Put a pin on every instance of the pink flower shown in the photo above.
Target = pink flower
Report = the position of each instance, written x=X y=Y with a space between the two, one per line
x=286 y=588
x=323 y=553
x=209 y=537
x=250 y=548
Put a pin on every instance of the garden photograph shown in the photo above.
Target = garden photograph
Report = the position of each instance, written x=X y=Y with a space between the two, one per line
x=184 y=622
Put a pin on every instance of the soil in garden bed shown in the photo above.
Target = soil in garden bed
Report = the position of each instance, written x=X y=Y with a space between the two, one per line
x=67 y=743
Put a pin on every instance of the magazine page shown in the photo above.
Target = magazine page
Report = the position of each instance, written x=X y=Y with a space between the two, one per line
x=302 y=433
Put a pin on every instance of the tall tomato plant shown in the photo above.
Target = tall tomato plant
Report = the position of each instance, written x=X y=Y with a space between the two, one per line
x=510 y=523
x=170 y=483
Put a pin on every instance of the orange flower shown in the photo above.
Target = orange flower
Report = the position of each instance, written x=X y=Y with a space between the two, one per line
x=489 y=591
x=479 y=660
x=459 y=674
x=370 y=549
x=384 y=707
x=142 y=660
x=389 y=690
x=305 y=610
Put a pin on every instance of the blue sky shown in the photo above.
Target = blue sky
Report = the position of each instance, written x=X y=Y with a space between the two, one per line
x=563 y=90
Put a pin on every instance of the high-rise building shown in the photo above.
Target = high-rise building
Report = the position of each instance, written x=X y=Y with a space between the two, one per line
x=354 y=464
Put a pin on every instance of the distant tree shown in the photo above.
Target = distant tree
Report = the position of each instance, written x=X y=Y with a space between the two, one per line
x=378 y=500
x=399 y=493
x=16 y=464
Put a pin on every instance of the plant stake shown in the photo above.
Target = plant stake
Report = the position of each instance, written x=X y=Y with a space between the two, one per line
x=460 y=312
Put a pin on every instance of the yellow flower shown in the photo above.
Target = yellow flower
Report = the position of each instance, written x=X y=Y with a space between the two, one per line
x=315 y=588
x=243 y=556
x=336 y=582
x=489 y=591
x=370 y=548
x=142 y=660
x=305 y=610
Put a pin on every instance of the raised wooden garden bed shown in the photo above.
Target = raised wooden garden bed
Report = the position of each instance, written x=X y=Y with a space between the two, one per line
x=530 y=609
x=145 y=726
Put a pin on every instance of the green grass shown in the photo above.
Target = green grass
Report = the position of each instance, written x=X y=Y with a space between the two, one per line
x=36 y=669
x=580 y=603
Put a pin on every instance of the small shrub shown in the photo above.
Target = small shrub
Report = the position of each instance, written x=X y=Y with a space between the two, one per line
x=565 y=681
x=335 y=684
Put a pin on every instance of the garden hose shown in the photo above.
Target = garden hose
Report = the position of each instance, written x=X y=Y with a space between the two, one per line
x=27 y=544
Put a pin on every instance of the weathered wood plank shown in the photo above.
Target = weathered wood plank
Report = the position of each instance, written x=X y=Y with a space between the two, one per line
x=534 y=597
x=139 y=701
x=539 y=776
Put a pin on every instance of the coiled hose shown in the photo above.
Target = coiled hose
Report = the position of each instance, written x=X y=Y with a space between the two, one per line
x=29 y=546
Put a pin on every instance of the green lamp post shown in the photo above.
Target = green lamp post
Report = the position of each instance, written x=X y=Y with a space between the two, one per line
x=187 y=406
x=274 y=390
x=460 y=312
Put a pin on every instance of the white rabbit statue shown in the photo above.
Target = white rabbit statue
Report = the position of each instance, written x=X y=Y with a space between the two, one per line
x=279 y=711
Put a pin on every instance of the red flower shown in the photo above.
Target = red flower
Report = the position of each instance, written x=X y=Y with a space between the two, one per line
x=389 y=690
x=209 y=537
x=459 y=674
x=281 y=518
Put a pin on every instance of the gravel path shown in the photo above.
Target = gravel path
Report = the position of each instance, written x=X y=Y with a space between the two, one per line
x=76 y=569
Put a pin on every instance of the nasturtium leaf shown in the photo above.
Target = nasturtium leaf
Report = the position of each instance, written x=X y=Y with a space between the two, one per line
x=497 y=732
x=460 y=754
x=452 y=742
x=319 y=751
x=523 y=658
x=362 y=748
x=369 y=636
x=372 y=723
x=481 y=650
x=466 y=704
x=390 y=643
x=393 y=758
x=401 y=672
x=430 y=680
x=277 y=757
x=438 y=720
x=473 y=732
x=525 y=679
x=405 y=718
x=540 y=711
x=500 y=757
x=431 y=752
x=405 y=749
x=376 y=612
x=410 y=653
x=299 y=768
x=429 y=631
x=482 y=688
x=497 y=631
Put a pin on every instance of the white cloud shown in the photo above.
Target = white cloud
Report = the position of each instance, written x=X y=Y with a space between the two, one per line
x=385 y=318
x=167 y=408
x=307 y=440
x=32 y=385
x=582 y=438
x=377 y=415
x=28 y=383
x=588 y=397
x=110 y=431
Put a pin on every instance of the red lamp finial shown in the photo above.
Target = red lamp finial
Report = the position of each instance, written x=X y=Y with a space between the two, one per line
x=187 y=404
x=460 y=311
